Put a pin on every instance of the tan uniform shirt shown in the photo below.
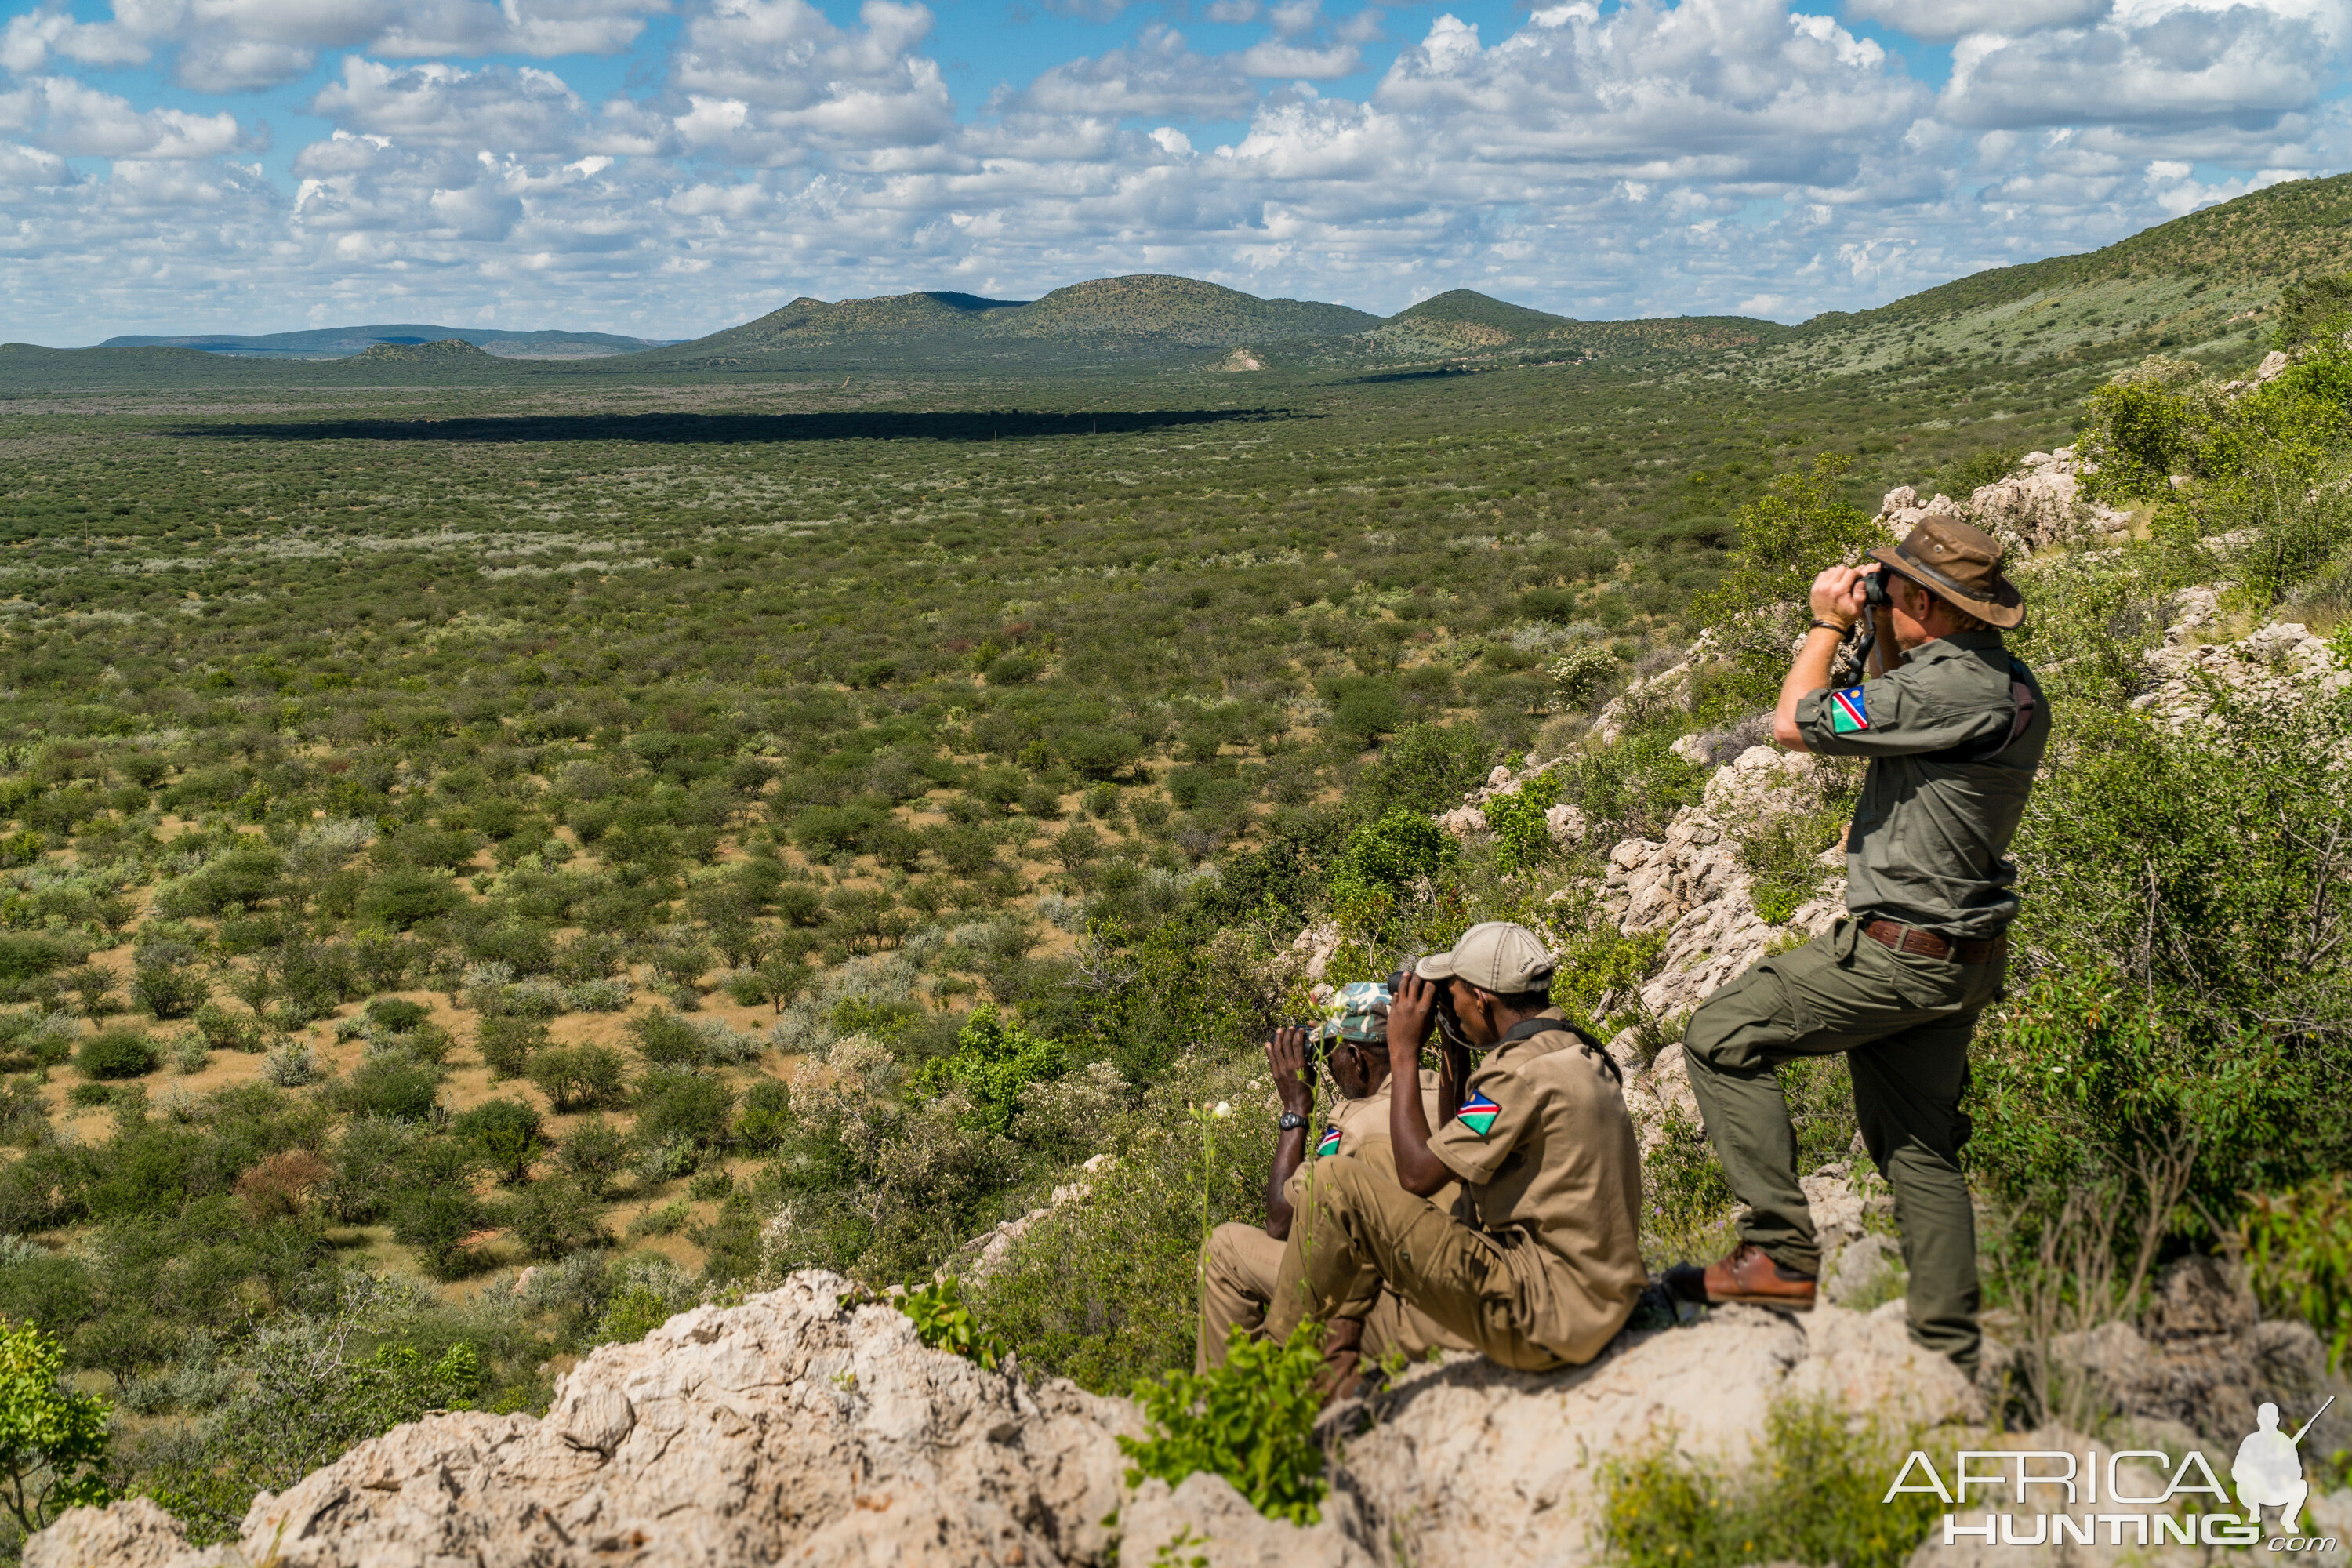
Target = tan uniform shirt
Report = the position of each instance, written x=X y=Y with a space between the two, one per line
x=1548 y=1160
x=1352 y=1122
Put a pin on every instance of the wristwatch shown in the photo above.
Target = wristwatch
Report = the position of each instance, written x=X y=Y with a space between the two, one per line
x=1290 y=1121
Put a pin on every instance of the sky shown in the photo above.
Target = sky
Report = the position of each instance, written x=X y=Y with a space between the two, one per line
x=665 y=168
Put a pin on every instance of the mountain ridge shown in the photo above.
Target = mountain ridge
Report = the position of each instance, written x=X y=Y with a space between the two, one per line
x=345 y=342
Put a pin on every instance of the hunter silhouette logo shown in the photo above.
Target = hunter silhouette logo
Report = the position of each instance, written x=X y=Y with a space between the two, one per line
x=2058 y=1498
x=2268 y=1469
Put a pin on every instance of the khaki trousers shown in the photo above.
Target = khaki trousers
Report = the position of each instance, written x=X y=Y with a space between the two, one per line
x=1902 y=1023
x=1360 y=1236
x=1240 y=1271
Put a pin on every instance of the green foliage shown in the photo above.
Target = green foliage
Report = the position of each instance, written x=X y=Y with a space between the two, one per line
x=1522 y=842
x=1426 y=769
x=944 y=1322
x=993 y=1061
x=1786 y=537
x=1251 y=1421
x=117 y=1053
x=54 y=1443
x=1396 y=849
x=2298 y=1249
x=508 y=1134
x=1812 y=1495
x=2310 y=309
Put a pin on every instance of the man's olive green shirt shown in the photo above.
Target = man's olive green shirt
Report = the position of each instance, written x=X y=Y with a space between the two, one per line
x=1929 y=843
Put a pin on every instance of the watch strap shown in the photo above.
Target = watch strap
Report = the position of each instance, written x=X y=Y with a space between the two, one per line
x=1290 y=1121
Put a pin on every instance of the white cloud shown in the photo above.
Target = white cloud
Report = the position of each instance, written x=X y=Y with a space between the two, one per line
x=2175 y=67
x=1273 y=58
x=524 y=109
x=1946 y=19
x=1158 y=76
x=61 y=115
x=1697 y=155
x=30 y=41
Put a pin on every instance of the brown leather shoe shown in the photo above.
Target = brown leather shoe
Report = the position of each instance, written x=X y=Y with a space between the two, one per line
x=1746 y=1275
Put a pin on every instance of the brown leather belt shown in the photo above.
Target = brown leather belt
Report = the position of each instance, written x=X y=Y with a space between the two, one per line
x=1927 y=944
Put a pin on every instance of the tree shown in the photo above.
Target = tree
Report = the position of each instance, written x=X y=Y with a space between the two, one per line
x=53 y=1441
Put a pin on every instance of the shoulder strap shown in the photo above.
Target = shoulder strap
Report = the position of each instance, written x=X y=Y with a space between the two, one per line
x=1528 y=1028
x=2021 y=709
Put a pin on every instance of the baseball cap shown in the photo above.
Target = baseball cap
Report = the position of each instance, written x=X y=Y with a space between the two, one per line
x=1494 y=955
x=1355 y=1011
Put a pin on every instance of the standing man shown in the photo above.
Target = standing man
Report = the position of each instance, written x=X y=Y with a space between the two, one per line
x=1240 y=1261
x=1954 y=735
x=1540 y=1264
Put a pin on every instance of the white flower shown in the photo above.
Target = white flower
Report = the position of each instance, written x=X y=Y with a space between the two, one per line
x=1222 y=1110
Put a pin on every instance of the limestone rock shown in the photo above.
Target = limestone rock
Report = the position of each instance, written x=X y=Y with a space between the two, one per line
x=2273 y=365
x=1204 y=1516
x=2039 y=506
x=787 y=1428
x=2279 y=664
x=133 y=1533
x=1469 y=1465
x=1317 y=943
x=1464 y=822
x=1566 y=825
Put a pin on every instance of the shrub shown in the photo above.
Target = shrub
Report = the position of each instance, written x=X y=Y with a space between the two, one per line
x=290 y=1063
x=190 y=1055
x=677 y=1105
x=1426 y=769
x=2298 y=1248
x=54 y=1442
x=168 y=991
x=117 y=1053
x=944 y=1322
x=992 y=1062
x=552 y=1219
x=767 y=1116
x=437 y=1221
x=225 y=1031
x=394 y=1085
x=404 y=899
x=279 y=1186
x=243 y=876
x=664 y=1039
x=1813 y=1494
x=578 y=1077
x=508 y=1134
x=506 y=1045
x=396 y=1014
x=595 y=1153
x=1251 y=1421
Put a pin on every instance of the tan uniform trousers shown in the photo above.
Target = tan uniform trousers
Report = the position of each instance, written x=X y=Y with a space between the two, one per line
x=1238 y=1269
x=1364 y=1237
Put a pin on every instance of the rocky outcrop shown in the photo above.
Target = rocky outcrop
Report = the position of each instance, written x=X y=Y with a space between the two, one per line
x=2040 y=505
x=1691 y=884
x=790 y=1429
x=2281 y=664
x=794 y=1429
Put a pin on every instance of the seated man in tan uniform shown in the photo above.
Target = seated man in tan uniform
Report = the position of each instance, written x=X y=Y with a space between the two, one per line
x=1239 y=1262
x=1550 y=1266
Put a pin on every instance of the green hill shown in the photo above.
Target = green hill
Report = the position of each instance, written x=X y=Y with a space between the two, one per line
x=1185 y=311
x=2199 y=284
x=345 y=342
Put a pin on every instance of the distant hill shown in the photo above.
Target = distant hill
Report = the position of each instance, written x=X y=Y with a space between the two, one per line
x=2200 y=284
x=1465 y=321
x=1152 y=316
x=343 y=342
x=1103 y=320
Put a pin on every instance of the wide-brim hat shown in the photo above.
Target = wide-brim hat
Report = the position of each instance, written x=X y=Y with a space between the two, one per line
x=1960 y=565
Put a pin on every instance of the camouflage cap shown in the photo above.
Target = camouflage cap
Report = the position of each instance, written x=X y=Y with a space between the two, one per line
x=1355 y=1011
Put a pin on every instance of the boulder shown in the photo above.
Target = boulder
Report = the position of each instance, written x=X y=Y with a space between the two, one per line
x=2282 y=664
x=794 y=1428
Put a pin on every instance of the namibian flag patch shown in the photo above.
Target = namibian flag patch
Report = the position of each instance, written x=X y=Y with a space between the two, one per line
x=1478 y=1113
x=1848 y=711
x=1328 y=1144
